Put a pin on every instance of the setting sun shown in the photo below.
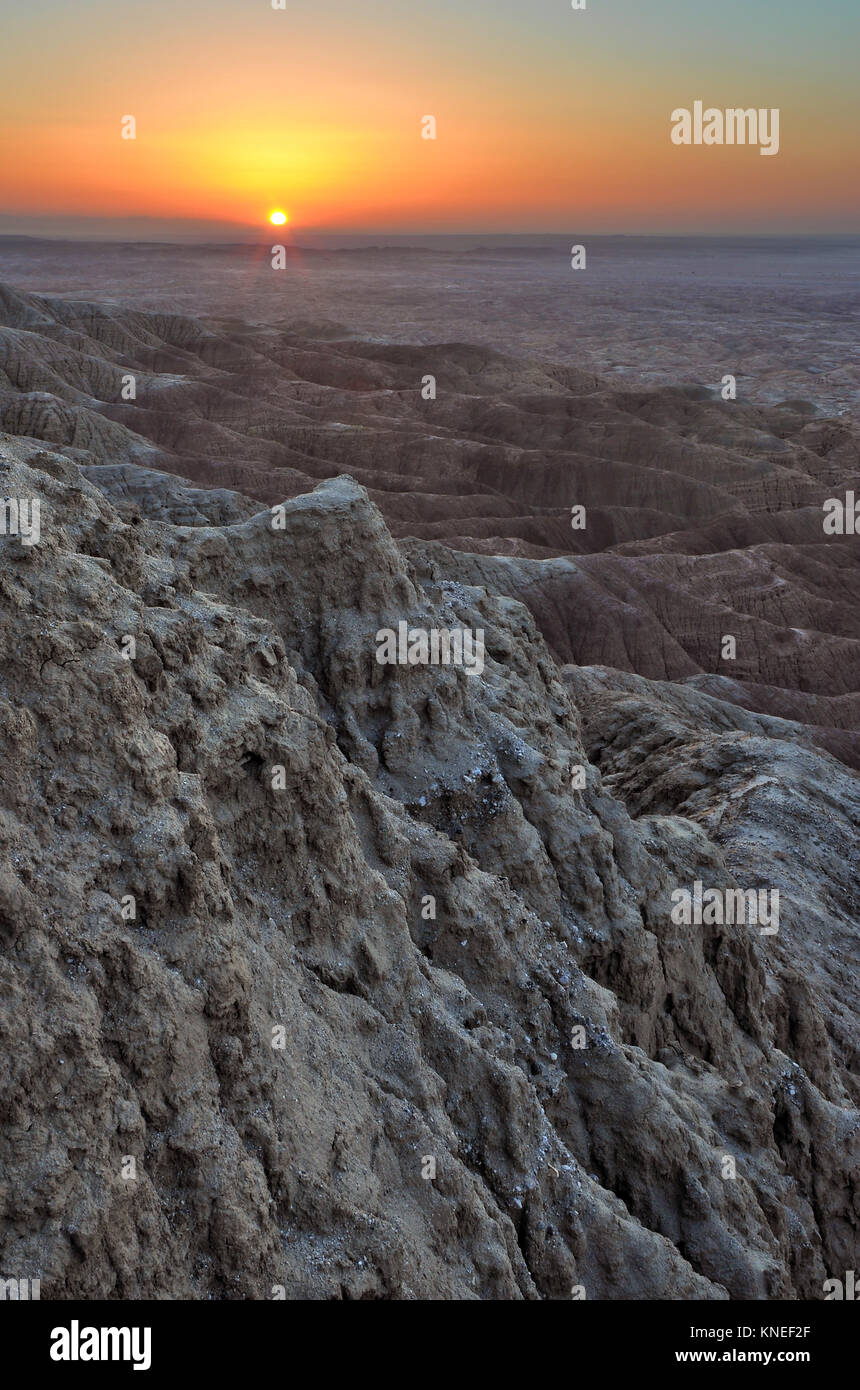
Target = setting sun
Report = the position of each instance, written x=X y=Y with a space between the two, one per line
x=278 y=218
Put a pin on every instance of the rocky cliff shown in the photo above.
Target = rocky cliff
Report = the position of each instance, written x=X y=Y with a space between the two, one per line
x=364 y=981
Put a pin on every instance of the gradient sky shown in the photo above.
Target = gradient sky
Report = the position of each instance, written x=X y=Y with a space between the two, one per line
x=548 y=119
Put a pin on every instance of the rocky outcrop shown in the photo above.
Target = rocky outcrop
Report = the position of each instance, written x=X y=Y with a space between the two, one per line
x=372 y=971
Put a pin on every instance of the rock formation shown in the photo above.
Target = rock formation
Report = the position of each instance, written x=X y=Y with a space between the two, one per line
x=373 y=971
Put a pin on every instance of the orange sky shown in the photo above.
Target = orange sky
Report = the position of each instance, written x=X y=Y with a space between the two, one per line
x=541 y=126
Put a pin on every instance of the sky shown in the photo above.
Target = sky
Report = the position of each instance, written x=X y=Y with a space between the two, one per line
x=547 y=119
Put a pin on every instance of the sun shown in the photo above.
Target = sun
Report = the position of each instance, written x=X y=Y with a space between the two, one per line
x=278 y=218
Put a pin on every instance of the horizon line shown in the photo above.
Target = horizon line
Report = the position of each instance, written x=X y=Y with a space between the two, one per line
x=264 y=234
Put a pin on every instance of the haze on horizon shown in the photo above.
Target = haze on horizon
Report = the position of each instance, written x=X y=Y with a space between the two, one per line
x=547 y=118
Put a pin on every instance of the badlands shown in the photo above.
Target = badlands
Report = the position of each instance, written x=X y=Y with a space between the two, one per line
x=371 y=970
